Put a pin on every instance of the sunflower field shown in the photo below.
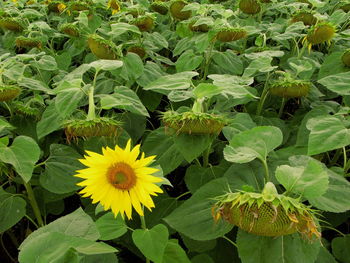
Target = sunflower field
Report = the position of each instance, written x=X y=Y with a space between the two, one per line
x=180 y=131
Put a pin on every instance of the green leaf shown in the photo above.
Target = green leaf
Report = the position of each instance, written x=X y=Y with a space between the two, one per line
x=46 y=63
x=4 y=125
x=152 y=242
x=326 y=133
x=111 y=227
x=336 y=199
x=207 y=90
x=228 y=62
x=174 y=253
x=58 y=247
x=150 y=73
x=194 y=219
x=118 y=29
x=34 y=84
x=106 y=64
x=340 y=248
x=309 y=179
x=262 y=64
x=22 y=155
x=202 y=258
x=188 y=61
x=289 y=249
x=254 y=143
x=338 y=83
x=59 y=170
x=12 y=209
x=325 y=257
x=240 y=122
x=192 y=146
x=132 y=67
x=331 y=65
x=123 y=98
x=76 y=224
x=178 y=81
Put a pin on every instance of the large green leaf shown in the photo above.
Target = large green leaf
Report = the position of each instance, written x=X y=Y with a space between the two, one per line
x=152 y=242
x=254 y=143
x=262 y=64
x=340 y=248
x=111 y=227
x=326 y=133
x=132 y=67
x=192 y=146
x=174 y=253
x=228 y=62
x=188 y=61
x=336 y=199
x=106 y=64
x=50 y=121
x=306 y=176
x=124 y=98
x=288 y=249
x=22 y=155
x=338 y=83
x=12 y=209
x=59 y=170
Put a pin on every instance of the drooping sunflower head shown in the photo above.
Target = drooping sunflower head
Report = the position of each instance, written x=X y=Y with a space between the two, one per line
x=97 y=127
x=197 y=28
x=290 y=88
x=250 y=7
x=228 y=34
x=119 y=180
x=9 y=92
x=345 y=7
x=320 y=33
x=114 y=5
x=11 y=24
x=306 y=17
x=101 y=48
x=193 y=122
x=159 y=7
x=176 y=10
x=70 y=29
x=135 y=12
x=267 y=213
x=346 y=58
x=139 y=50
x=26 y=110
x=144 y=23
x=56 y=6
x=28 y=42
x=79 y=6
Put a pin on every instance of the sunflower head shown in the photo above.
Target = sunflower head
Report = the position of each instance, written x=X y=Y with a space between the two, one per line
x=228 y=34
x=79 y=6
x=176 y=10
x=199 y=28
x=101 y=48
x=119 y=180
x=290 y=88
x=70 y=30
x=346 y=58
x=56 y=6
x=159 y=7
x=97 y=127
x=26 y=110
x=345 y=7
x=144 y=23
x=114 y=5
x=9 y=92
x=306 y=17
x=267 y=213
x=193 y=122
x=250 y=7
x=11 y=24
x=139 y=50
x=28 y=42
x=320 y=33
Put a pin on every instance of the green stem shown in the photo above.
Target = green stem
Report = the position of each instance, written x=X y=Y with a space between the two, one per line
x=230 y=241
x=143 y=225
x=206 y=156
x=208 y=57
x=301 y=53
x=31 y=220
x=267 y=174
x=335 y=157
x=280 y=112
x=5 y=249
x=91 y=111
x=34 y=204
x=345 y=158
x=263 y=96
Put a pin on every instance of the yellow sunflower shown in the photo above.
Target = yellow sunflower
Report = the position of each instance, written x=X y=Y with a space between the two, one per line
x=114 y=5
x=118 y=180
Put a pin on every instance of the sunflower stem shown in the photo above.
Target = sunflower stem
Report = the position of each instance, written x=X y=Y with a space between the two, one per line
x=263 y=96
x=91 y=111
x=208 y=58
x=267 y=175
x=206 y=156
x=345 y=159
x=34 y=204
x=143 y=225
x=280 y=112
x=301 y=53
x=230 y=241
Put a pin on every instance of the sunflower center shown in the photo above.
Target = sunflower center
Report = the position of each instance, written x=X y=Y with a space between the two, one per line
x=121 y=176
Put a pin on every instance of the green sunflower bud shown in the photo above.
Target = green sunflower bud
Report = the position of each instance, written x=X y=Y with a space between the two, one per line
x=97 y=127
x=70 y=30
x=12 y=24
x=249 y=7
x=28 y=42
x=159 y=7
x=137 y=50
x=9 y=92
x=193 y=123
x=101 y=48
x=267 y=213
x=229 y=34
x=144 y=23
x=176 y=10
x=307 y=18
x=290 y=88
x=200 y=28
